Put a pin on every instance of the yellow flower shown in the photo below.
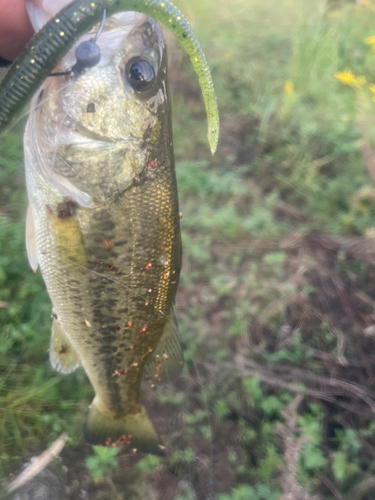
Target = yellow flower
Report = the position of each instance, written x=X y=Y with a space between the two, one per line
x=345 y=77
x=349 y=78
x=289 y=87
x=372 y=90
x=370 y=40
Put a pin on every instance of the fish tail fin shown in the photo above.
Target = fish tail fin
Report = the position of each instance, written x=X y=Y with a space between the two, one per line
x=102 y=428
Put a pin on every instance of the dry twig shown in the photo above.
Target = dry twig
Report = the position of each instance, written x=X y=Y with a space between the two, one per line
x=39 y=463
x=288 y=431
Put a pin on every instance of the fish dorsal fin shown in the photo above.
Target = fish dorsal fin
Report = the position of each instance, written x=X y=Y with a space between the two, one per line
x=62 y=355
x=166 y=361
x=31 y=241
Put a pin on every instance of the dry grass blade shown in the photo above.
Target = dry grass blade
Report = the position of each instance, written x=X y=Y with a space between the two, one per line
x=39 y=464
x=323 y=388
x=292 y=447
x=361 y=489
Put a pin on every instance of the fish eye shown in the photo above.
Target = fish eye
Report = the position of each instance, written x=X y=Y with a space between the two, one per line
x=139 y=73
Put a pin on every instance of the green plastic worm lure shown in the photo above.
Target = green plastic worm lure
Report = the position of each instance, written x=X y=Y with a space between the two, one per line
x=52 y=42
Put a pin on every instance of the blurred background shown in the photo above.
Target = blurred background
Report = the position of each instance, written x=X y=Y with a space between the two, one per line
x=276 y=304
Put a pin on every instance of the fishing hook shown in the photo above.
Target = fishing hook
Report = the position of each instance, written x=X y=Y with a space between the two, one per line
x=87 y=54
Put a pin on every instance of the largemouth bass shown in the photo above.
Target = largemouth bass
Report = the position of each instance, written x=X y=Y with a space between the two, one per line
x=103 y=221
x=104 y=225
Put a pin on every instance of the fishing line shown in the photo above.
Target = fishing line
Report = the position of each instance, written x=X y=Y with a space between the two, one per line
x=100 y=29
x=211 y=456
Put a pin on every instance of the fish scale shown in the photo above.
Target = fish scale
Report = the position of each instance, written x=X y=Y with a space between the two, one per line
x=144 y=207
x=84 y=146
x=103 y=219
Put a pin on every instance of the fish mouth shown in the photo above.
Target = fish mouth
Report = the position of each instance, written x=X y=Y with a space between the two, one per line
x=90 y=134
x=81 y=131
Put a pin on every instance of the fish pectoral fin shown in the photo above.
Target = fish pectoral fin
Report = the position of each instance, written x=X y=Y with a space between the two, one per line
x=62 y=355
x=166 y=361
x=31 y=241
x=69 y=240
x=136 y=430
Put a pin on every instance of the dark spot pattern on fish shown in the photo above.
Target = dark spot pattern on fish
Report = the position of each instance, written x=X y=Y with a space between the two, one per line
x=120 y=243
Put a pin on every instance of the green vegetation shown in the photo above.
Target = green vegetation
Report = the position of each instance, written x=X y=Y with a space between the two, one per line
x=276 y=304
x=102 y=462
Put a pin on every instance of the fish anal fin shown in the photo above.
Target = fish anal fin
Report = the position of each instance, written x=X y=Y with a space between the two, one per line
x=31 y=241
x=166 y=361
x=62 y=355
x=136 y=430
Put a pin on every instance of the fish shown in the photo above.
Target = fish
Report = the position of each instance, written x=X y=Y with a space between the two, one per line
x=103 y=224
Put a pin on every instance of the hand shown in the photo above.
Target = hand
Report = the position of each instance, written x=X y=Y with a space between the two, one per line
x=15 y=28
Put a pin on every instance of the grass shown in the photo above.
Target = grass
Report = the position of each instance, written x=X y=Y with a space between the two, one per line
x=276 y=301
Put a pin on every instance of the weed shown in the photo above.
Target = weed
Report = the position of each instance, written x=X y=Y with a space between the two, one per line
x=102 y=462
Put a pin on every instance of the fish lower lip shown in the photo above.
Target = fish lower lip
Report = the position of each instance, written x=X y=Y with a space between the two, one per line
x=82 y=131
x=85 y=132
